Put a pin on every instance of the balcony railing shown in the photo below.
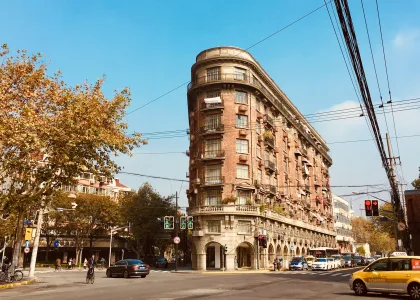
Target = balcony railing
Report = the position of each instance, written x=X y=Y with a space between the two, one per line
x=270 y=165
x=269 y=141
x=269 y=120
x=271 y=188
x=205 y=106
x=214 y=180
x=214 y=154
x=212 y=128
x=219 y=77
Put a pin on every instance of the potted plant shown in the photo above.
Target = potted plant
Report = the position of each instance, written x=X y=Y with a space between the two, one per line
x=248 y=202
x=278 y=209
x=229 y=200
x=268 y=135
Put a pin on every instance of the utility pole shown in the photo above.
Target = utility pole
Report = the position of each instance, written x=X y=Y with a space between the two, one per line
x=36 y=241
x=394 y=182
x=176 y=230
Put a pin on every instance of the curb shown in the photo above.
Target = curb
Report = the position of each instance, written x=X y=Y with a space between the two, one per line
x=15 y=284
x=221 y=272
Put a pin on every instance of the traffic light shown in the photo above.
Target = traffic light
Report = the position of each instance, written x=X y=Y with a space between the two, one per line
x=368 y=208
x=190 y=221
x=183 y=223
x=264 y=241
x=375 y=208
x=168 y=222
x=226 y=249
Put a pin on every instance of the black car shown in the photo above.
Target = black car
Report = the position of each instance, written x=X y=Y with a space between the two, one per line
x=127 y=268
x=161 y=262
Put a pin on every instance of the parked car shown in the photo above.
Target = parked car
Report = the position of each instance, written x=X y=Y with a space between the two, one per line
x=377 y=257
x=127 y=268
x=369 y=260
x=390 y=275
x=332 y=263
x=298 y=263
x=349 y=261
x=339 y=260
x=321 y=264
x=161 y=262
x=310 y=259
x=358 y=261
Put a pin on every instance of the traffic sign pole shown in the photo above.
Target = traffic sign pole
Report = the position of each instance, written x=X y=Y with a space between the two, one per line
x=176 y=231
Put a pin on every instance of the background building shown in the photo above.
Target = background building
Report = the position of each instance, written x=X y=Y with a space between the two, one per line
x=412 y=200
x=256 y=165
x=343 y=212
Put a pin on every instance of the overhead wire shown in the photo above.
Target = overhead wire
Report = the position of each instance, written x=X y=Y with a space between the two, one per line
x=240 y=52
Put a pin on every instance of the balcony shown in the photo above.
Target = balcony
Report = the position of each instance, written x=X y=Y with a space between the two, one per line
x=269 y=120
x=270 y=165
x=212 y=128
x=209 y=106
x=213 y=154
x=271 y=188
x=213 y=180
x=269 y=141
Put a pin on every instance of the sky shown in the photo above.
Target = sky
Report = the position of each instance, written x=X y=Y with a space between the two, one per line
x=150 y=46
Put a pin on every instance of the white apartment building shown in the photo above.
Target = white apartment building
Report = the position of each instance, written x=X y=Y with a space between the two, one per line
x=343 y=212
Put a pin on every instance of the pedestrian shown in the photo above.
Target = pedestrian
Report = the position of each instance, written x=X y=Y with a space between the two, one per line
x=275 y=263
x=85 y=263
x=102 y=263
x=280 y=263
x=69 y=264
x=235 y=262
x=58 y=264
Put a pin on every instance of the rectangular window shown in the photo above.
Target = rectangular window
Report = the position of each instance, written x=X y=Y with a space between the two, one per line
x=213 y=122
x=213 y=197
x=267 y=179
x=240 y=74
x=259 y=176
x=241 y=146
x=284 y=145
x=213 y=74
x=285 y=165
x=213 y=174
x=241 y=121
x=243 y=197
x=258 y=105
x=242 y=171
x=244 y=227
x=241 y=97
x=212 y=94
x=258 y=151
x=266 y=156
x=213 y=148
x=213 y=226
x=286 y=187
x=258 y=128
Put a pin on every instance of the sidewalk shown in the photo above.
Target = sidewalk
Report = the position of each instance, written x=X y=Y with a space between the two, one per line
x=208 y=272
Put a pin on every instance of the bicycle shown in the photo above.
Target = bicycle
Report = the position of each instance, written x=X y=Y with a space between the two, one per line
x=57 y=268
x=90 y=276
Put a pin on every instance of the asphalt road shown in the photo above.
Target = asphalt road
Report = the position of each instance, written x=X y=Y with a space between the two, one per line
x=70 y=285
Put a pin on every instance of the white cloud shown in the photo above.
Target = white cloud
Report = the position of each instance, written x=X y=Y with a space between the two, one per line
x=406 y=39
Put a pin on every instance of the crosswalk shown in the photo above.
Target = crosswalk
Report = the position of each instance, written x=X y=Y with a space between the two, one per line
x=316 y=273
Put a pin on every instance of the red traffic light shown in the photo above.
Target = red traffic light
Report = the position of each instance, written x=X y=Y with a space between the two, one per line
x=368 y=202
x=375 y=203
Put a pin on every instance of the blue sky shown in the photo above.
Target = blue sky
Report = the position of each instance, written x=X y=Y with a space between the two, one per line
x=150 y=46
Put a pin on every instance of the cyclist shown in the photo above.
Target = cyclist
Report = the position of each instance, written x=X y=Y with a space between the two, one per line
x=91 y=266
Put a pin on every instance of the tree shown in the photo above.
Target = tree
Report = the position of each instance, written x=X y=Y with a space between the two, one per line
x=361 y=250
x=362 y=229
x=382 y=242
x=51 y=132
x=416 y=184
x=388 y=225
x=142 y=210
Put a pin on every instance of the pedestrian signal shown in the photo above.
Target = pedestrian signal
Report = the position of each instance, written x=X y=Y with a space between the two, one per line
x=168 y=222
x=190 y=221
x=183 y=223
x=368 y=208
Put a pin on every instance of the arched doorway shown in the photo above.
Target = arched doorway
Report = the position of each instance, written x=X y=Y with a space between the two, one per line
x=297 y=251
x=303 y=252
x=214 y=253
x=271 y=254
x=245 y=255
x=278 y=251
x=285 y=252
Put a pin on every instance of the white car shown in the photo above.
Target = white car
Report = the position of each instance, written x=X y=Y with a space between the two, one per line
x=321 y=264
x=332 y=262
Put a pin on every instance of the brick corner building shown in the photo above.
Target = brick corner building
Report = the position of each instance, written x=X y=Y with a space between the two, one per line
x=256 y=166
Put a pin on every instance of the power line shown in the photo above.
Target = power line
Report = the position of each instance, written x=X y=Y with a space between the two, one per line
x=240 y=52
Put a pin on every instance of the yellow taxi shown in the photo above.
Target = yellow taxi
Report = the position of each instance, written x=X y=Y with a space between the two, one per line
x=390 y=275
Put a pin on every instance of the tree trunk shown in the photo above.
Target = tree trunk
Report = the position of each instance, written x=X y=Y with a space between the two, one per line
x=48 y=247
x=17 y=247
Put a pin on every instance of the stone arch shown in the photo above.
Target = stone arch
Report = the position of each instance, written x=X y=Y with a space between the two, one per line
x=278 y=251
x=304 y=251
x=285 y=252
x=271 y=253
x=297 y=251
x=245 y=255
x=214 y=255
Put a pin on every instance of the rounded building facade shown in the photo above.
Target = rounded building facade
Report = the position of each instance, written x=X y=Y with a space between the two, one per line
x=257 y=167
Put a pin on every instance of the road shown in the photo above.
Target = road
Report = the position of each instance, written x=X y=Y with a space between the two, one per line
x=68 y=285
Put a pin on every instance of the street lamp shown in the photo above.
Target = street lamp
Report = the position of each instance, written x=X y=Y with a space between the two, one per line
x=112 y=231
x=38 y=231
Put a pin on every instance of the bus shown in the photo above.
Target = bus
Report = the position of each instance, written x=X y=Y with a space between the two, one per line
x=323 y=252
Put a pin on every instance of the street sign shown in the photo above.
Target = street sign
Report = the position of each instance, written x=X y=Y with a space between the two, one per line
x=292 y=247
x=26 y=250
x=177 y=240
x=56 y=243
x=401 y=226
x=28 y=234
x=27 y=243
